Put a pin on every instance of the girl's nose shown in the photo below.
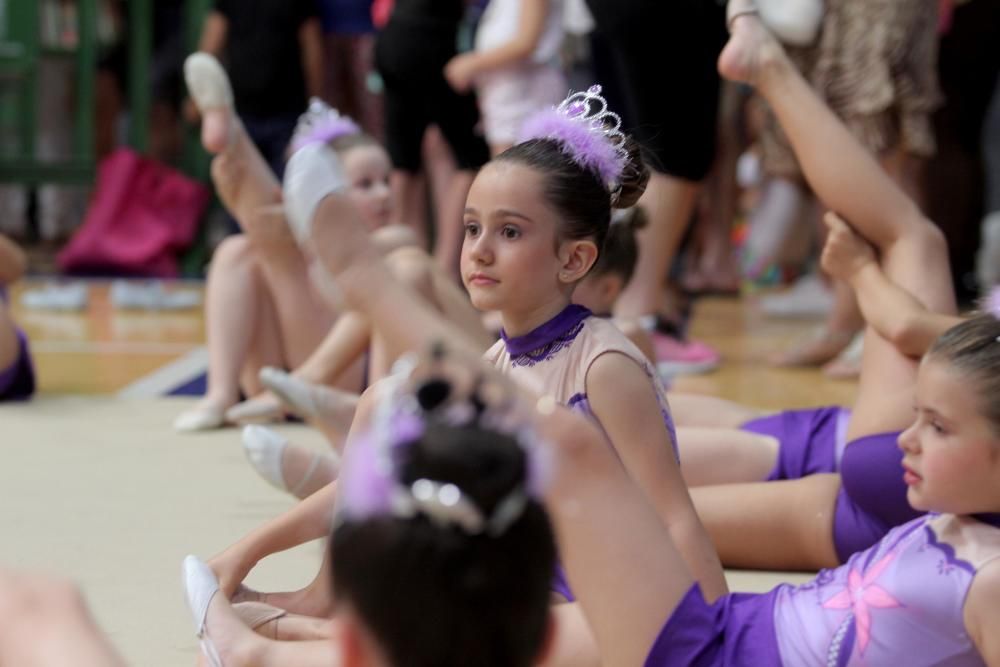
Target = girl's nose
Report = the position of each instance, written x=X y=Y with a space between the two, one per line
x=907 y=440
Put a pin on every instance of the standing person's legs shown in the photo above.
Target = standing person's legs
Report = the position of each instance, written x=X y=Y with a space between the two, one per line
x=852 y=183
x=679 y=134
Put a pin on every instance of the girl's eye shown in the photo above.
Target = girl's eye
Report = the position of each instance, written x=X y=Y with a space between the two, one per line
x=509 y=232
x=472 y=229
x=365 y=183
x=938 y=428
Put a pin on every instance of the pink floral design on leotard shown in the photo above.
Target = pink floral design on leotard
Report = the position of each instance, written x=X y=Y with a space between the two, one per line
x=861 y=596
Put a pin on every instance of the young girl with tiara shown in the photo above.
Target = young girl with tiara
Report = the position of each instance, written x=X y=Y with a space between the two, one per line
x=535 y=220
x=17 y=374
x=259 y=294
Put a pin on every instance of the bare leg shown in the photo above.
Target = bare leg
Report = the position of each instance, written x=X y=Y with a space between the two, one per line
x=851 y=182
x=409 y=202
x=9 y=344
x=669 y=202
x=45 y=622
x=709 y=411
x=725 y=456
x=782 y=525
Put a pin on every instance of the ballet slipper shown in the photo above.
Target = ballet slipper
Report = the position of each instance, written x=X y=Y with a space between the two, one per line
x=823 y=346
x=200 y=586
x=200 y=419
x=265 y=408
x=210 y=90
x=265 y=450
x=258 y=614
x=315 y=403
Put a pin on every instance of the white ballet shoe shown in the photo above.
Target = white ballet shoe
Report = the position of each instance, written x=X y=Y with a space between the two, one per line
x=294 y=392
x=256 y=411
x=313 y=172
x=207 y=82
x=200 y=586
x=199 y=419
x=265 y=450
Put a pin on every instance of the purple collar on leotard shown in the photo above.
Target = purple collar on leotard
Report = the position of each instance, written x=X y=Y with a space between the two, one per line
x=540 y=343
x=993 y=518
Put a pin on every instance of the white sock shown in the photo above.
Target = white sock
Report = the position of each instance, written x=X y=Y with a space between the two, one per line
x=313 y=172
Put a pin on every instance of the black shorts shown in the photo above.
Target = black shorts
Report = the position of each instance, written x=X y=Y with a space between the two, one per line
x=665 y=53
x=411 y=63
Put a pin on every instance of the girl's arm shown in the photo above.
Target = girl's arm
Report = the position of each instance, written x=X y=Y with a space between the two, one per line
x=982 y=613
x=463 y=68
x=346 y=342
x=309 y=520
x=623 y=401
x=894 y=313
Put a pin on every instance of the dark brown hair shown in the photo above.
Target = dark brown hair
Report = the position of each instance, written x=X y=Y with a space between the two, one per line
x=435 y=596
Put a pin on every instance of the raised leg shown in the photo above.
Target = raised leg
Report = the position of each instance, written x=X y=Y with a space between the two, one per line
x=850 y=181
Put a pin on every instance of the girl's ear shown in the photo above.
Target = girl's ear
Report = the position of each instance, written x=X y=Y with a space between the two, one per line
x=576 y=256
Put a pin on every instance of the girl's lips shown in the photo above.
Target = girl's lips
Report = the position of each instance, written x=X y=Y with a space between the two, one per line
x=480 y=279
x=909 y=477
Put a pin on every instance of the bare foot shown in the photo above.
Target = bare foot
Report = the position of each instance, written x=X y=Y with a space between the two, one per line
x=751 y=48
x=817 y=350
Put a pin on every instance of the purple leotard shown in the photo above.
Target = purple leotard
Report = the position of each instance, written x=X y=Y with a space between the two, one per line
x=810 y=441
x=897 y=603
x=872 y=497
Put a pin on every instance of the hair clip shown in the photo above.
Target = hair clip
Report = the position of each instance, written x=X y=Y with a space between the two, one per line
x=321 y=123
x=588 y=132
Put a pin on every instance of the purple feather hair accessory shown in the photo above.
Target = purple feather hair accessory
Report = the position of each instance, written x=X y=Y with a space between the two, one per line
x=587 y=131
x=991 y=304
x=321 y=123
x=368 y=479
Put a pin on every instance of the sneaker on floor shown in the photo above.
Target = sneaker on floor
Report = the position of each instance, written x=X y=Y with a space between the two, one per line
x=68 y=297
x=682 y=357
x=809 y=297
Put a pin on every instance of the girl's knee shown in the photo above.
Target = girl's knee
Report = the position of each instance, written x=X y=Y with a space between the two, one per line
x=234 y=249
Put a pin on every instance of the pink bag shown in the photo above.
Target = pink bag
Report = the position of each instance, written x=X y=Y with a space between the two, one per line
x=140 y=215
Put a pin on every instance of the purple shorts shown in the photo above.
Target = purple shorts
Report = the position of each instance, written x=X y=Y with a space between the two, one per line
x=810 y=441
x=872 y=498
x=17 y=381
x=737 y=630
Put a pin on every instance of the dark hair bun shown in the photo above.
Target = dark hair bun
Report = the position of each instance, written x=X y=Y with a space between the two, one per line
x=634 y=178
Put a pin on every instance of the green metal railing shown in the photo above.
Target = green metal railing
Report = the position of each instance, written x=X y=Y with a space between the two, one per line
x=21 y=49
